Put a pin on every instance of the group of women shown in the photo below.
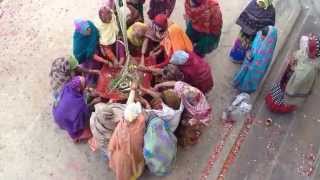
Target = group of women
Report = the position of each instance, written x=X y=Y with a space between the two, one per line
x=297 y=78
x=254 y=48
x=165 y=104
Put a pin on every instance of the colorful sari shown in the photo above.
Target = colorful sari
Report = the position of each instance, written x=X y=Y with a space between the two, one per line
x=241 y=45
x=126 y=149
x=176 y=40
x=161 y=7
x=71 y=112
x=84 y=46
x=103 y=122
x=254 y=67
x=204 y=26
x=197 y=114
x=60 y=72
x=160 y=146
x=195 y=69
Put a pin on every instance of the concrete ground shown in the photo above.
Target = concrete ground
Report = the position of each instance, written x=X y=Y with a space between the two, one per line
x=35 y=32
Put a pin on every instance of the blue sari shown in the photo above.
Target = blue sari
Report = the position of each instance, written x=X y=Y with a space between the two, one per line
x=253 y=70
x=84 y=46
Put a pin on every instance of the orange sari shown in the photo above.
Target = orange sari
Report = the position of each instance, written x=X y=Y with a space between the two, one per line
x=175 y=40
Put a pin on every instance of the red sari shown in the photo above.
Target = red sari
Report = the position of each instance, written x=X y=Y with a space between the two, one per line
x=206 y=17
x=197 y=73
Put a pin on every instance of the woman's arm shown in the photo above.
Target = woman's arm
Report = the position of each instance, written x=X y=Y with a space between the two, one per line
x=135 y=15
x=152 y=93
x=132 y=93
x=144 y=102
x=87 y=71
x=163 y=64
x=100 y=59
x=165 y=84
x=144 y=50
x=153 y=70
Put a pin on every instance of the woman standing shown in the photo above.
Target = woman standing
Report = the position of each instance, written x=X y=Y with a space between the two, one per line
x=257 y=62
x=257 y=15
x=161 y=7
x=204 y=24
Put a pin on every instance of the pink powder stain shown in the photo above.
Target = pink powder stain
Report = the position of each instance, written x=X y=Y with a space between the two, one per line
x=236 y=147
x=216 y=151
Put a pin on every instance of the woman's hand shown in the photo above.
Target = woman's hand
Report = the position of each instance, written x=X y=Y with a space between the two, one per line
x=142 y=68
x=142 y=60
x=134 y=86
x=249 y=56
x=94 y=71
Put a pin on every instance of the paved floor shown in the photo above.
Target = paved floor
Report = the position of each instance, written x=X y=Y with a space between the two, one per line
x=33 y=33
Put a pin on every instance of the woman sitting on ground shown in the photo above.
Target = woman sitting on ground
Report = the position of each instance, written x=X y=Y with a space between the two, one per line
x=176 y=40
x=156 y=32
x=85 y=47
x=136 y=34
x=62 y=70
x=166 y=105
x=305 y=68
x=103 y=121
x=126 y=144
x=108 y=29
x=188 y=67
x=197 y=112
x=195 y=69
x=71 y=112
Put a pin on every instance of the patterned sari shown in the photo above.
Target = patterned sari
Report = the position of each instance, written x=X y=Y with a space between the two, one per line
x=254 y=68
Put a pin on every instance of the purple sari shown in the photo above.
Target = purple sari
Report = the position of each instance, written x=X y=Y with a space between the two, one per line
x=71 y=112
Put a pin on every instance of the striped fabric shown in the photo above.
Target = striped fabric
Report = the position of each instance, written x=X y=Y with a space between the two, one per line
x=277 y=94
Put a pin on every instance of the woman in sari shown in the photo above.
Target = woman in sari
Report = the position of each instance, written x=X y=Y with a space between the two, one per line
x=136 y=34
x=176 y=40
x=197 y=112
x=71 y=112
x=157 y=31
x=62 y=70
x=305 y=70
x=195 y=69
x=102 y=124
x=276 y=100
x=204 y=24
x=257 y=62
x=161 y=7
x=85 y=47
x=166 y=105
x=108 y=29
x=257 y=15
x=126 y=144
